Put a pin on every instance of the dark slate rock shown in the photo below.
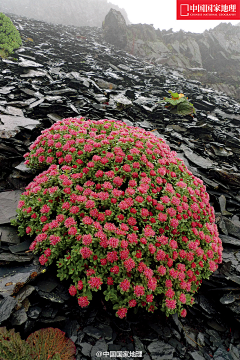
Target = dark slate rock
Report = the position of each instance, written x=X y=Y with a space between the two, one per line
x=48 y=284
x=98 y=349
x=50 y=296
x=34 y=312
x=13 y=278
x=23 y=246
x=196 y=355
x=230 y=240
x=6 y=257
x=86 y=349
x=161 y=351
x=24 y=293
x=19 y=317
x=93 y=332
x=232 y=228
x=10 y=125
x=8 y=204
x=8 y=235
x=6 y=307
x=222 y=354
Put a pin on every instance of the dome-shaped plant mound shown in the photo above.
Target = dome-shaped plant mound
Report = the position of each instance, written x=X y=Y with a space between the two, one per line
x=9 y=36
x=122 y=213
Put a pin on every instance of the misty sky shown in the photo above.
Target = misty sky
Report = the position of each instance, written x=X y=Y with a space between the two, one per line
x=162 y=14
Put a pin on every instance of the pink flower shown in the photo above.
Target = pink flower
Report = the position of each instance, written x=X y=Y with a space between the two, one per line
x=28 y=230
x=110 y=281
x=148 y=232
x=113 y=242
x=70 y=222
x=87 y=239
x=174 y=223
x=45 y=209
x=95 y=282
x=122 y=312
x=139 y=290
x=129 y=264
x=183 y=313
x=125 y=285
x=43 y=260
x=80 y=285
x=170 y=304
x=149 y=298
x=152 y=284
x=86 y=252
x=161 y=270
x=83 y=301
x=132 y=303
x=115 y=269
x=160 y=256
x=170 y=293
x=183 y=298
x=72 y=290
x=47 y=252
x=87 y=220
x=168 y=283
x=72 y=231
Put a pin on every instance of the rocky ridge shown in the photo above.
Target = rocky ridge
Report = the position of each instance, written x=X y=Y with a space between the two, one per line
x=66 y=12
x=211 y=57
x=65 y=71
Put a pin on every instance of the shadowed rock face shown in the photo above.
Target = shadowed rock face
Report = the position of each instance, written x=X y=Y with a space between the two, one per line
x=67 y=12
x=69 y=71
x=211 y=57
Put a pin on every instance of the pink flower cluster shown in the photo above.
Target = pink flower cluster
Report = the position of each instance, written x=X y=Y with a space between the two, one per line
x=116 y=207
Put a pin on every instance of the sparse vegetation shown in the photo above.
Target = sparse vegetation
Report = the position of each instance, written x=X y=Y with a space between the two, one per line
x=10 y=38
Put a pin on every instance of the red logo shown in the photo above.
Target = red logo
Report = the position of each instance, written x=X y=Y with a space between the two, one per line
x=208 y=10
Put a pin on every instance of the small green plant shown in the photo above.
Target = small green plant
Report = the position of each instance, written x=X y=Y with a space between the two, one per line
x=117 y=210
x=10 y=38
x=179 y=104
x=44 y=344
x=12 y=347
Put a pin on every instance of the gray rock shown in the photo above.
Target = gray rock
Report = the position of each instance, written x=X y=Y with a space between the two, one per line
x=93 y=332
x=222 y=354
x=86 y=349
x=9 y=235
x=6 y=307
x=99 y=349
x=8 y=204
x=15 y=258
x=34 y=312
x=10 y=125
x=196 y=355
x=160 y=351
x=234 y=352
x=24 y=293
x=19 y=317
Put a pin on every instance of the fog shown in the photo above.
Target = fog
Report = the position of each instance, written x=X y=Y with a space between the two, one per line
x=162 y=14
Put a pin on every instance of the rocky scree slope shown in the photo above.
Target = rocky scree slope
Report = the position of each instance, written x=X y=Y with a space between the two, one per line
x=67 y=71
x=211 y=57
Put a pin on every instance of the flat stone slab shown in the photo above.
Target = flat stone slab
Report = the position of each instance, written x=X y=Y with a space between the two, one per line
x=8 y=235
x=8 y=205
x=12 y=278
x=11 y=125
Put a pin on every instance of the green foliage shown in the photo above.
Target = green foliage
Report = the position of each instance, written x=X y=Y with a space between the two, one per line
x=58 y=346
x=12 y=347
x=9 y=36
x=179 y=104
x=44 y=344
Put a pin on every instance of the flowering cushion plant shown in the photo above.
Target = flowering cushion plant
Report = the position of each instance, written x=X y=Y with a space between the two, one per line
x=117 y=210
